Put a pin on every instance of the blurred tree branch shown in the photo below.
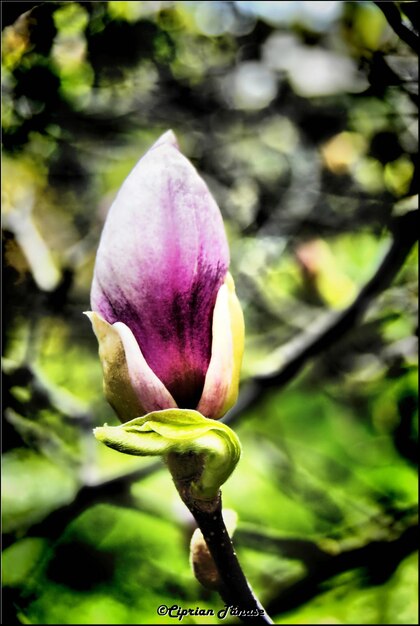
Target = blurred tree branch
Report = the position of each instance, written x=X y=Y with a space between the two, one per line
x=115 y=490
x=331 y=329
x=44 y=394
x=314 y=553
x=379 y=557
x=393 y=16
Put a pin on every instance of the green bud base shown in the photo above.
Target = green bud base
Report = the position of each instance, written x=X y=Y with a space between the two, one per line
x=200 y=452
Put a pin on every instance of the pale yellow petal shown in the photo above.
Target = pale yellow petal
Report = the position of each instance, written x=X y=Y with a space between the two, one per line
x=237 y=326
x=221 y=384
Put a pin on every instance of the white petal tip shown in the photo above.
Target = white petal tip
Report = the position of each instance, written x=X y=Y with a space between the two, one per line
x=168 y=139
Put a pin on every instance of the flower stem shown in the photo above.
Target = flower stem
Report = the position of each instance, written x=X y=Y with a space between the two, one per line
x=234 y=587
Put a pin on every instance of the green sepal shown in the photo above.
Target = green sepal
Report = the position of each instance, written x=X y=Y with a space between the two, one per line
x=180 y=431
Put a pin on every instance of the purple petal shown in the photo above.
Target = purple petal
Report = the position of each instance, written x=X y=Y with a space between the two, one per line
x=161 y=260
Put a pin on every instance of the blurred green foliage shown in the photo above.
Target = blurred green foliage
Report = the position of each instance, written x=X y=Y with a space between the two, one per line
x=302 y=117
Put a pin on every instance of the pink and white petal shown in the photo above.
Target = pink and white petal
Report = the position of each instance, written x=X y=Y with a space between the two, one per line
x=116 y=379
x=130 y=386
x=149 y=389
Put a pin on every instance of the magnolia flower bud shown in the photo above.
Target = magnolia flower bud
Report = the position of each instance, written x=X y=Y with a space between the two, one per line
x=164 y=309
